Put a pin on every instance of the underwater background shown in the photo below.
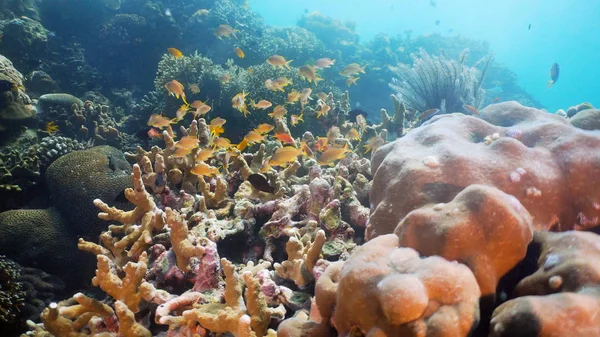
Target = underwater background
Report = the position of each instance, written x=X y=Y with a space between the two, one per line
x=256 y=168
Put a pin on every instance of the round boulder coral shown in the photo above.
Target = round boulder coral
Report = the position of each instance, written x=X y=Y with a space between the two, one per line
x=77 y=178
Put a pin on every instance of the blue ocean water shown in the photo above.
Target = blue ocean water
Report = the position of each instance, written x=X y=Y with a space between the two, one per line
x=562 y=31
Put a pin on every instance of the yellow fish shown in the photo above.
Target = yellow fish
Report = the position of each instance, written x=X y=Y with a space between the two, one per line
x=182 y=152
x=239 y=52
x=188 y=142
x=306 y=150
x=353 y=134
x=283 y=82
x=331 y=155
x=374 y=144
x=323 y=63
x=292 y=97
x=262 y=104
x=175 y=53
x=353 y=69
x=176 y=89
x=239 y=102
x=309 y=73
x=272 y=85
x=284 y=155
x=194 y=88
x=279 y=111
x=362 y=122
x=254 y=137
x=51 y=127
x=205 y=154
x=160 y=121
x=324 y=109
x=220 y=142
x=241 y=146
x=351 y=80
x=305 y=95
x=295 y=119
x=278 y=61
x=225 y=31
x=203 y=169
x=264 y=128
x=182 y=111
x=216 y=126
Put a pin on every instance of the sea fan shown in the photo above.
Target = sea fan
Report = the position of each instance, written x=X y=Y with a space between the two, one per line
x=435 y=82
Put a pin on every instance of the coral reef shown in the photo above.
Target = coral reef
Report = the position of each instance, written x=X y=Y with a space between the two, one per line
x=15 y=105
x=435 y=82
x=12 y=294
x=24 y=40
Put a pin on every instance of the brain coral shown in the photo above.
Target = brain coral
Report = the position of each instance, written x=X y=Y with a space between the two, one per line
x=76 y=179
x=542 y=160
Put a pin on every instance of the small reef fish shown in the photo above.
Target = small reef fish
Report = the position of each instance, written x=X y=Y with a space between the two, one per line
x=373 y=144
x=265 y=166
x=216 y=126
x=283 y=82
x=239 y=102
x=182 y=152
x=309 y=73
x=188 y=142
x=554 y=72
x=333 y=134
x=305 y=95
x=201 y=108
x=272 y=85
x=279 y=111
x=225 y=79
x=250 y=70
x=285 y=138
x=278 y=61
x=224 y=31
x=241 y=146
x=264 y=128
x=194 y=88
x=322 y=96
x=160 y=121
x=292 y=97
x=203 y=169
x=6 y=85
x=321 y=144
x=473 y=110
x=284 y=155
x=262 y=104
x=154 y=134
x=324 y=109
x=220 y=142
x=353 y=69
x=331 y=155
x=261 y=183
x=182 y=111
x=175 y=53
x=239 y=52
x=205 y=154
x=496 y=100
x=51 y=127
x=323 y=63
x=176 y=89
x=254 y=137
x=354 y=113
x=353 y=134
x=295 y=119
x=351 y=80
x=427 y=114
x=361 y=121
x=306 y=150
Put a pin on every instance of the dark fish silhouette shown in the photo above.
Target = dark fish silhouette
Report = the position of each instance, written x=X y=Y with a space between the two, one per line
x=357 y=112
x=529 y=28
x=427 y=114
x=437 y=22
x=554 y=71
x=261 y=183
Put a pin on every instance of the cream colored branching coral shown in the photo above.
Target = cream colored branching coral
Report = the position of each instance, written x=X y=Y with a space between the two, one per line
x=138 y=224
x=301 y=259
x=244 y=319
x=185 y=244
x=69 y=319
x=126 y=289
x=213 y=199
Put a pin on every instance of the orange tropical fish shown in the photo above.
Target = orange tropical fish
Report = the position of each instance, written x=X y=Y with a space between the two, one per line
x=176 y=89
x=205 y=154
x=362 y=122
x=353 y=69
x=264 y=128
x=278 y=61
x=473 y=110
x=305 y=95
x=331 y=155
x=262 y=104
x=324 y=109
x=202 y=110
x=272 y=85
x=284 y=155
x=182 y=111
x=182 y=152
x=254 y=137
x=239 y=52
x=309 y=73
x=373 y=144
x=323 y=63
x=160 y=121
x=353 y=134
x=225 y=79
x=175 y=53
x=225 y=31
x=295 y=119
x=216 y=126
x=220 y=142
x=292 y=97
x=285 y=138
x=321 y=144
x=351 y=80
x=203 y=169
x=194 y=88
x=242 y=145
x=333 y=133
x=306 y=150
x=153 y=134
x=265 y=167
x=239 y=102
x=283 y=82
x=188 y=142
x=322 y=96
x=279 y=111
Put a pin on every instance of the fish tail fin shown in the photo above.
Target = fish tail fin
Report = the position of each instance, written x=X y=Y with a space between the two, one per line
x=233 y=33
x=550 y=83
x=362 y=69
x=287 y=64
x=317 y=80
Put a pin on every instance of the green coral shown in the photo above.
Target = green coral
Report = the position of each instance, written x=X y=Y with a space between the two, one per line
x=12 y=294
